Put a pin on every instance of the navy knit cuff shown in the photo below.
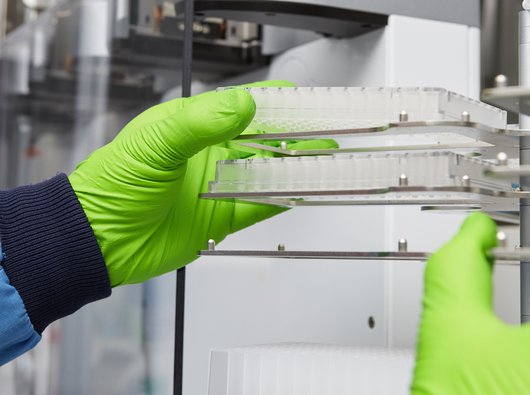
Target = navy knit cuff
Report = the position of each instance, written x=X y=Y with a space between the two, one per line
x=52 y=257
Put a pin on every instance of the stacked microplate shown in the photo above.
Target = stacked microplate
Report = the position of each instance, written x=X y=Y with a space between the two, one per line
x=423 y=146
x=325 y=109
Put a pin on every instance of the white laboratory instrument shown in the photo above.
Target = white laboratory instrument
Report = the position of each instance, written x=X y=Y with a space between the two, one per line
x=232 y=302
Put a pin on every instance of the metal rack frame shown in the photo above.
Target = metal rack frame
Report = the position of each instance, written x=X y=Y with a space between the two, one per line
x=516 y=99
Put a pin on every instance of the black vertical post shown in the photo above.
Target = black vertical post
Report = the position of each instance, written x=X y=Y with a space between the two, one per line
x=178 y=368
x=187 y=57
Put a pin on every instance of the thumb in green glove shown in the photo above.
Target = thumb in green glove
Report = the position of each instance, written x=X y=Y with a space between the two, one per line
x=463 y=347
x=141 y=191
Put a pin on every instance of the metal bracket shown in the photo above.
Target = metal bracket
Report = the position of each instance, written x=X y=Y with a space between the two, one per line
x=401 y=195
x=480 y=137
x=507 y=256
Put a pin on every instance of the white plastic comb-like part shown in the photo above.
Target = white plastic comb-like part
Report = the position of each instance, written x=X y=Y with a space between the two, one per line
x=304 y=369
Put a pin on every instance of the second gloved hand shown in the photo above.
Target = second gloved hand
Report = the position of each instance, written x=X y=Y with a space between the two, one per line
x=141 y=191
x=464 y=349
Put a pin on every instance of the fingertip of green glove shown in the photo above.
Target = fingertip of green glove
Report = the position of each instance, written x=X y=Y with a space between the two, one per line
x=270 y=84
x=319 y=144
x=214 y=118
x=481 y=229
x=460 y=273
x=476 y=236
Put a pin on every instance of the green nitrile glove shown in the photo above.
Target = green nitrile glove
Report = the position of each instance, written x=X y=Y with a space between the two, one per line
x=141 y=191
x=463 y=347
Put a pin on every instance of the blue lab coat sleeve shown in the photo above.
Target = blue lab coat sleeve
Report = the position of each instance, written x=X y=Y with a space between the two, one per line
x=51 y=262
x=17 y=334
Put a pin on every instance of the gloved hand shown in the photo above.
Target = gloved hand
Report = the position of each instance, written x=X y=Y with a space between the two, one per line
x=463 y=347
x=141 y=191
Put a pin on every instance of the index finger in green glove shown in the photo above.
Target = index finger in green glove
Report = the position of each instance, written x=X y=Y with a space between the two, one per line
x=169 y=135
x=206 y=120
x=269 y=84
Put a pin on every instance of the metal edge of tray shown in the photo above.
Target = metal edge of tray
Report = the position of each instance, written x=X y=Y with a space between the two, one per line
x=288 y=203
x=511 y=257
x=371 y=191
x=469 y=129
x=394 y=148
x=354 y=255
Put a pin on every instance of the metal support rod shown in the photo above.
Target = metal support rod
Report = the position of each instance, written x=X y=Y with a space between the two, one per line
x=3 y=18
x=187 y=58
x=504 y=256
x=524 y=123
